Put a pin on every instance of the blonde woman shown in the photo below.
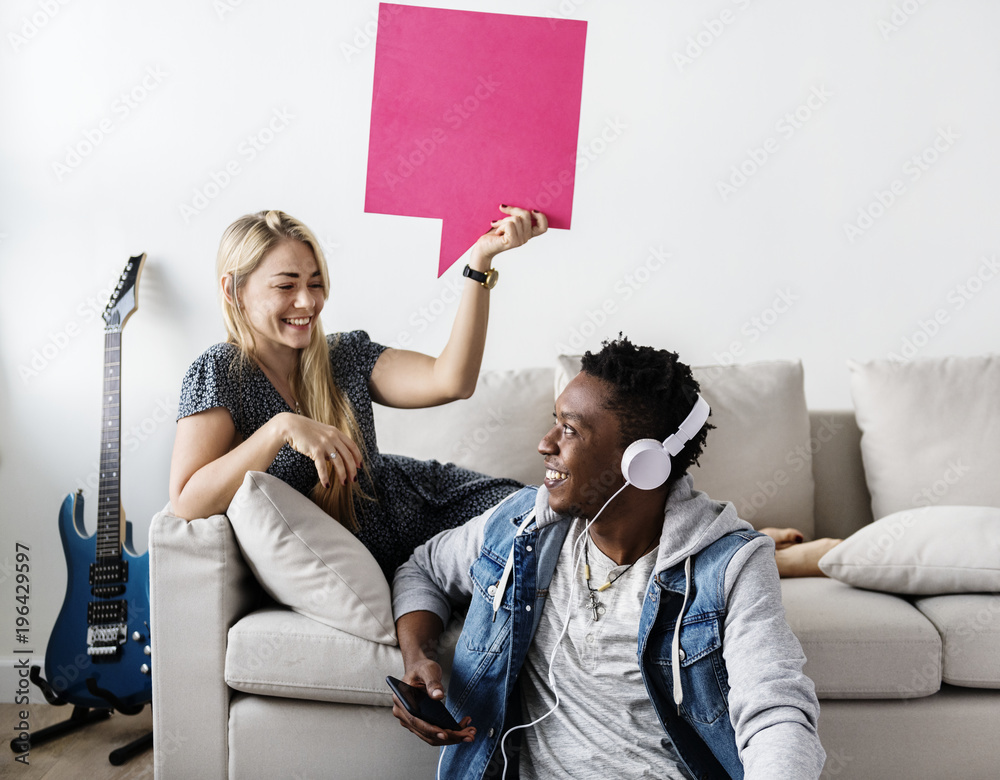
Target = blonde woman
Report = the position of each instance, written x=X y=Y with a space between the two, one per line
x=282 y=397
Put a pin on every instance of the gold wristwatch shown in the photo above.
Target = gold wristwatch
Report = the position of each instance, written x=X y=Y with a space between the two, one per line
x=487 y=280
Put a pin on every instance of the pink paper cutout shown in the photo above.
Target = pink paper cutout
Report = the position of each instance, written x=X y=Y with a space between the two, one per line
x=470 y=110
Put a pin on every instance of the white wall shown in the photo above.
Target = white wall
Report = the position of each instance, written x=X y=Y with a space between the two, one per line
x=886 y=79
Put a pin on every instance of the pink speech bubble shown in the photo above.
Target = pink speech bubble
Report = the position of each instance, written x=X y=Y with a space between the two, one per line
x=470 y=110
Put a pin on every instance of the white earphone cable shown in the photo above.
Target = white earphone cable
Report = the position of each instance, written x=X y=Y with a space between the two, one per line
x=577 y=555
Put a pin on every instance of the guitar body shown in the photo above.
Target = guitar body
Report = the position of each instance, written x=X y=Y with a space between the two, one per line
x=116 y=666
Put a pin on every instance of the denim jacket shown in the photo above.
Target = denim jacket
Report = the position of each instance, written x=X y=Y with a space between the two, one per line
x=493 y=644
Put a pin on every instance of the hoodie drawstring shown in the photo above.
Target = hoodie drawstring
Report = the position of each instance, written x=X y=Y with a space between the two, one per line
x=501 y=586
x=675 y=646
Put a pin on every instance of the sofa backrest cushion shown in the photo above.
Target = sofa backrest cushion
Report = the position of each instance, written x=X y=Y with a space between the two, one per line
x=495 y=432
x=930 y=431
x=760 y=454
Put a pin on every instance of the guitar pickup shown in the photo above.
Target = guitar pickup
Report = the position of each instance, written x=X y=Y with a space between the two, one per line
x=105 y=640
x=107 y=612
x=115 y=570
x=107 y=591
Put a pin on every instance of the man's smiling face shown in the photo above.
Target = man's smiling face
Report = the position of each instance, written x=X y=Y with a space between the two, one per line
x=583 y=450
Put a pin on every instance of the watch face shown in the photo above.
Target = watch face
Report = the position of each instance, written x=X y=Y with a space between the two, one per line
x=491 y=278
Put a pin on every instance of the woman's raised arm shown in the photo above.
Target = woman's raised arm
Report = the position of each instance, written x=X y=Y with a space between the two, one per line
x=407 y=379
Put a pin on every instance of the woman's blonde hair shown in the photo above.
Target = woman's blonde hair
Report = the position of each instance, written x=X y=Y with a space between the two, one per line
x=244 y=245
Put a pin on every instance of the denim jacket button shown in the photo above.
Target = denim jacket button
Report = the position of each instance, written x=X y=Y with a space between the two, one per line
x=527 y=608
x=681 y=654
x=489 y=733
x=492 y=590
x=527 y=547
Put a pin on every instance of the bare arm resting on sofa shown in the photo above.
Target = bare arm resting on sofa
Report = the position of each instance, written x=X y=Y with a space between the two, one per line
x=209 y=461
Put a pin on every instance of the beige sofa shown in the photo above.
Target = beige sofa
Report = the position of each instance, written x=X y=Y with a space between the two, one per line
x=245 y=688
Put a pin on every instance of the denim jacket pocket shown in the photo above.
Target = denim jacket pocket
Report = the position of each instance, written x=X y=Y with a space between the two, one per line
x=704 y=679
x=486 y=634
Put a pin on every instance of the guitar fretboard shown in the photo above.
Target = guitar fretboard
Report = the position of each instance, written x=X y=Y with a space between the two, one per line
x=109 y=504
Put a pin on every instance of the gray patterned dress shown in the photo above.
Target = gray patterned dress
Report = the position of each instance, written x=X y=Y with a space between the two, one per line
x=415 y=498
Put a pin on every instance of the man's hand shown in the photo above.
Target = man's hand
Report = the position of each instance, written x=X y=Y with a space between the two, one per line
x=426 y=674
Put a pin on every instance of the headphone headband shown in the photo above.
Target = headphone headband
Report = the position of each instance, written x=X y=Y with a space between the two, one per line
x=688 y=429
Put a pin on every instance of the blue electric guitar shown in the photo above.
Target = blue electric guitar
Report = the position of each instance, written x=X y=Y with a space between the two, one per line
x=98 y=654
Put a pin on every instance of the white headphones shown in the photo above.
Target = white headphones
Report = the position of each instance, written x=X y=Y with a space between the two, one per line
x=646 y=462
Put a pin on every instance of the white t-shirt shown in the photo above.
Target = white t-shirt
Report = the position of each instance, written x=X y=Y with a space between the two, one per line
x=605 y=725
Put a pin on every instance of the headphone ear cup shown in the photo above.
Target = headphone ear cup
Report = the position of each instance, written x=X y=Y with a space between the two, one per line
x=646 y=464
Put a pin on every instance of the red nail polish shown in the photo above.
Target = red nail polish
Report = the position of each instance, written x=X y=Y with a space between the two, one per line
x=503 y=205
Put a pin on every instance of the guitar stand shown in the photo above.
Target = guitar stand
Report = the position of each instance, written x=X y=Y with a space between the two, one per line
x=83 y=716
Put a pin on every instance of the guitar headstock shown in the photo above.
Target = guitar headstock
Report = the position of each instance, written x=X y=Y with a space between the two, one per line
x=124 y=302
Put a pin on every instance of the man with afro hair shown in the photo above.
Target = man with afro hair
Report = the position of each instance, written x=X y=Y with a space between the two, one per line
x=610 y=630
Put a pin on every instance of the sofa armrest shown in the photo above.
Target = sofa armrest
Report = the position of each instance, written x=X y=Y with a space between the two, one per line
x=199 y=586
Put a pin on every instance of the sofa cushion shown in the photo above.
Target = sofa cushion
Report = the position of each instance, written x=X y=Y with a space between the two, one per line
x=304 y=558
x=277 y=652
x=929 y=431
x=860 y=644
x=935 y=549
x=760 y=454
x=969 y=625
x=495 y=432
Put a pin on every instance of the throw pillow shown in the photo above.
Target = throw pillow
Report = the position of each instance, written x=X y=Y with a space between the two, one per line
x=920 y=552
x=930 y=431
x=308 y=561
x=760 y=454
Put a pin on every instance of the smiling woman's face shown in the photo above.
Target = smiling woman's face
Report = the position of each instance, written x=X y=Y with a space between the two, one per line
x=283 y=296
x=583 y=451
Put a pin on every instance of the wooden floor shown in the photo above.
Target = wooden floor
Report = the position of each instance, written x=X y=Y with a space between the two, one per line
x=83 y=753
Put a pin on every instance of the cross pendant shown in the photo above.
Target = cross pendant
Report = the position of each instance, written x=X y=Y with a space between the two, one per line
x=596 y=605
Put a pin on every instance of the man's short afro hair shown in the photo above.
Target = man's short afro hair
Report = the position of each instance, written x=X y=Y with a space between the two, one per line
x=651 y=392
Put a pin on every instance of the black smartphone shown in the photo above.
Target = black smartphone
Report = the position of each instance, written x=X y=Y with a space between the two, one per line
x=420 y=705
